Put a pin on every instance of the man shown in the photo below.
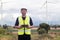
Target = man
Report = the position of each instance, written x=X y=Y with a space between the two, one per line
x=24 y=24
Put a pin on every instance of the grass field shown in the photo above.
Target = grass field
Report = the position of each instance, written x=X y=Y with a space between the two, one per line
x=52 y=35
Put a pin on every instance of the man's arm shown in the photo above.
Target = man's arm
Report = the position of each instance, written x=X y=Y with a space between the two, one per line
x=31 y=23
x=17 y=24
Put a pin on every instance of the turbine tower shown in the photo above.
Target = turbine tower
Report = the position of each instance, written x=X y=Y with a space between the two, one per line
x=46 y=4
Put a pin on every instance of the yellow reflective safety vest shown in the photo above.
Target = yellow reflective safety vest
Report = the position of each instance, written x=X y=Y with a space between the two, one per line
x=21 y=31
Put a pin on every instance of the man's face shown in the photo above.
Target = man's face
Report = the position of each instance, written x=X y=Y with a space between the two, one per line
x=23 y=12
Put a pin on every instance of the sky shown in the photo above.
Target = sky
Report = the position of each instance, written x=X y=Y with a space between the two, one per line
x=36 y=10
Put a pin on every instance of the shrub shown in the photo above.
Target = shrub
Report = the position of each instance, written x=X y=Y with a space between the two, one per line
x=2 y=31
x=42 y=31
x=43 y=27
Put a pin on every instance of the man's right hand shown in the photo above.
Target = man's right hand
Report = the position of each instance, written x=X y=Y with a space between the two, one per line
x=18 y=27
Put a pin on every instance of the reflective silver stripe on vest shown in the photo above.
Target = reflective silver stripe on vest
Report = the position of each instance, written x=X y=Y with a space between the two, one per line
x=23 y=30
x=27 y=30
x=20 y=30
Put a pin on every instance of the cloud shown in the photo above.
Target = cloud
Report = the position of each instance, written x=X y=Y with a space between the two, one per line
x=11 y=10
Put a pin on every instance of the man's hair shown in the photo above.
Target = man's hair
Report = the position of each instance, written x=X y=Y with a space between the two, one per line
x=23 y=9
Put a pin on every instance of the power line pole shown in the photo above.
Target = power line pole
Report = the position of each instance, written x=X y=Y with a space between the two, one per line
x=1 y=8
x=47 y=11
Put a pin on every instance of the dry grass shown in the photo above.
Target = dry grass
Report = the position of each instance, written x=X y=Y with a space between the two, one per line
x=34 y=36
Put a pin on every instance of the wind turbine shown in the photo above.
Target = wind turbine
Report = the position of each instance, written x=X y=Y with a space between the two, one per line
x=46 y=3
